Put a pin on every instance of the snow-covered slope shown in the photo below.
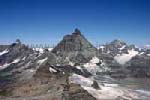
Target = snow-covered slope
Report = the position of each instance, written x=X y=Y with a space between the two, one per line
x=106 y=92
x=4 y=52
x=123 y=58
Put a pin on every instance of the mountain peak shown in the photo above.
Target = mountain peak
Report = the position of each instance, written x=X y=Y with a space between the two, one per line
x=118 y=42
x=76 y=32
x=18 y=41
x=74 y=42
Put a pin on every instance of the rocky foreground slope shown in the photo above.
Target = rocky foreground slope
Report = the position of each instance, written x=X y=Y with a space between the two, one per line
x=70 y=70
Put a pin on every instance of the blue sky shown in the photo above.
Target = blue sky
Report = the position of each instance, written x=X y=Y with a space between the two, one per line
x=101 y=21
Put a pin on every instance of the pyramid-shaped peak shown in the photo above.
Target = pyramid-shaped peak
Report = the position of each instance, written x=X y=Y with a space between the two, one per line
x=73 y=43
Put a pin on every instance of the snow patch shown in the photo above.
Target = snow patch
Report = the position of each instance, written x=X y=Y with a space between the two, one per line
x=148 y=54
x=3 y=52
x=122 y=47
x=23 y=58
x=50 y=49
x=110 y=85
x=32 y=70
x=42 y=60
x=52 y=70
x=8 y=64
x=103 y=67
x=40 y=50
x=71 y=63
x=101 y=47
x=91 y=66
x=108 y=51
x=78 y=79
x=16 y=61
x=123 y=58
x=4 y=66
x=141 y=53
x=144 y=92
x=78 y=67
x=95 y=60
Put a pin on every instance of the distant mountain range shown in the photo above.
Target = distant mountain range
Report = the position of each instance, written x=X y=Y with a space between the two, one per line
x=53 y=73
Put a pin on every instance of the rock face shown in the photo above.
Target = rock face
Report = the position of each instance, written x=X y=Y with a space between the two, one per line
x=139 y=66
x=15 y=50
x=77 y=93
x=12 y=55
x=75 y=46
x=30 y=74
x=14 y=64
x=74 y=42
x=60 y=75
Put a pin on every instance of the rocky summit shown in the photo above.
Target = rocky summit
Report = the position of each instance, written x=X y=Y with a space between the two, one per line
x=75 y=42
x=73 y=70
x=76 y=47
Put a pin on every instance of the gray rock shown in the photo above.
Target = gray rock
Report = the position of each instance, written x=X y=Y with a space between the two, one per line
x=95 y=85
x=139 y=66
x=74 y=46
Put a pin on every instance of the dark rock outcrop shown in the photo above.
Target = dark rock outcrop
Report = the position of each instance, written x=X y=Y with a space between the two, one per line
x=95 y=85
x=78 y=93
